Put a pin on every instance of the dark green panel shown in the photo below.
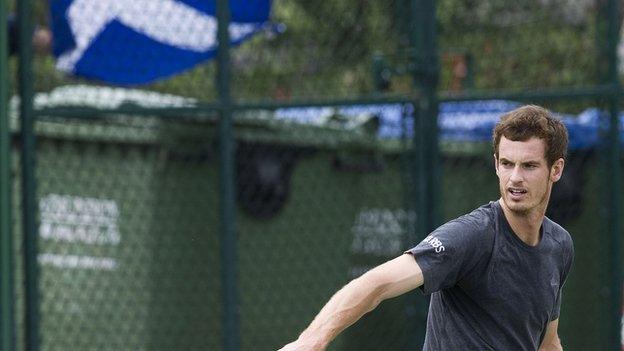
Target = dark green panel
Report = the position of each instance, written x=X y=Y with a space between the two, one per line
x=334 y=225
x=128 y=243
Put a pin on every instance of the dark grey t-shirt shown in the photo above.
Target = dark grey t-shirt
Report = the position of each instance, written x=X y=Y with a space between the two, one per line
x=490 y=290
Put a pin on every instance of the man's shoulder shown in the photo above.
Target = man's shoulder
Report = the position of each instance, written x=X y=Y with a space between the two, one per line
x=479 y=223
x=480 y=218
x=559 y=234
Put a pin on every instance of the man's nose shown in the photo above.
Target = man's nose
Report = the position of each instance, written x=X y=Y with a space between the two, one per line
x=516 y=175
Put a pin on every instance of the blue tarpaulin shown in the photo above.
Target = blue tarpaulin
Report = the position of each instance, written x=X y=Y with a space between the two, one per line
x=467 y=121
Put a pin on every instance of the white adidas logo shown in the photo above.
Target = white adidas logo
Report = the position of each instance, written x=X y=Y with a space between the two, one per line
x=435 y=243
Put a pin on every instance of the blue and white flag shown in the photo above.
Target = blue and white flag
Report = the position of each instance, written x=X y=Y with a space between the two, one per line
x=138 y=41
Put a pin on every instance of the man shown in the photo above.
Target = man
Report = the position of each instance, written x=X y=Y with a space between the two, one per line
x=495 y=274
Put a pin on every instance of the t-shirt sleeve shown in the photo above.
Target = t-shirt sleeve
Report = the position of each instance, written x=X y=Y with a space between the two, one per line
x=447 y=254
x=568 y=259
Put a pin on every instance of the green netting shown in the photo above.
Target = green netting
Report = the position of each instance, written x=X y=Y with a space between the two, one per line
x=310 y=219
x=526 y=44
x=308 y=50
x=128 y=249
x=128 y=204
x=326 y=50
x=579 y=202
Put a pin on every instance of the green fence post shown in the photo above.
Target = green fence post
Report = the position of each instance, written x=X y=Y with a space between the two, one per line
x=29 y=206
x=7 y=326
x=614 y=177
x=613 y=184
x=229 y=261
x=426 y=73
x=427 y=83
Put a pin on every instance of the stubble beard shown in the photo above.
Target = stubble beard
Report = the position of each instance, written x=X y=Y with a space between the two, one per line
x=524 y=210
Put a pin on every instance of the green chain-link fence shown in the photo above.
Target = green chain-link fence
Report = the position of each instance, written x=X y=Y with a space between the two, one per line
x=126 y=256
x=129 y=252
x=579 y=202
x=138 y=227
x=557 y=54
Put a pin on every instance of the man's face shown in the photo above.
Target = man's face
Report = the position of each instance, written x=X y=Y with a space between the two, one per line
x=525 y=180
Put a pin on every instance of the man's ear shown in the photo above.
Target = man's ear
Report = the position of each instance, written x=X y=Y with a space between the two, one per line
x=556 y=171
x=496 y=164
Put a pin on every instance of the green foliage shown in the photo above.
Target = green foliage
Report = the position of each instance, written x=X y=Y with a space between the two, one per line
x=525 y=44
x=326 y=50
x=327 y=47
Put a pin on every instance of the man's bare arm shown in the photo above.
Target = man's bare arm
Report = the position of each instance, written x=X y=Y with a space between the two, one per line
x=355 y=299
x=551 y=340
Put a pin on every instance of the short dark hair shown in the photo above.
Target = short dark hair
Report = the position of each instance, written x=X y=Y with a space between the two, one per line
x=531 y=121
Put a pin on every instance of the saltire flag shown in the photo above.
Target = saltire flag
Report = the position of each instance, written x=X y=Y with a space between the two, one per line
x=129 y=42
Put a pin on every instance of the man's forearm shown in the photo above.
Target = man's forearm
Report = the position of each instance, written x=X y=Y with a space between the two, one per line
x=551 y=340
x=347 y=306
x=552 y=345
x=360 y=296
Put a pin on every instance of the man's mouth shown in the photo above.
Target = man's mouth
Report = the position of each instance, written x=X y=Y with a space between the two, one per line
x=516 y=192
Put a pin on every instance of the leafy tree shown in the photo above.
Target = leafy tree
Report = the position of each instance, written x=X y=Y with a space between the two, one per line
x=327 y=48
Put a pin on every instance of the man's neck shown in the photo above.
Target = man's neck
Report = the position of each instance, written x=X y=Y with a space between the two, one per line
x=526 y=226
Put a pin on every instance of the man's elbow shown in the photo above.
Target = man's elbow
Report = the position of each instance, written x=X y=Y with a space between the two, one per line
x=394 y=278
x=374 y=284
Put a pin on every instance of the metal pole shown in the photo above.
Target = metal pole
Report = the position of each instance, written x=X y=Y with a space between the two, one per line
x=7 y=322
x=426 y=82
x=614 y=185
x=229 y=260
x=426 y=73
x=29 y=206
